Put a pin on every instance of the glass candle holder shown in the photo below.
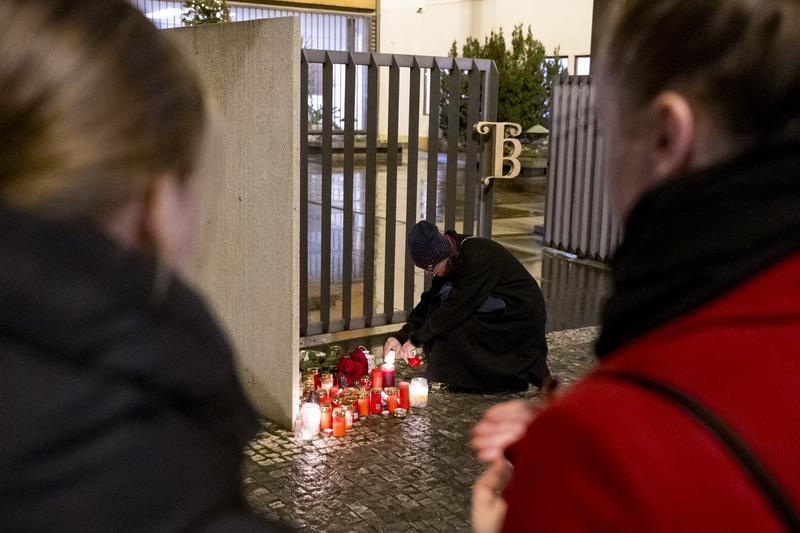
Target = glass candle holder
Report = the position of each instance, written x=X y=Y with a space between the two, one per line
x=375 y=402
x=308 y=421
x=405 y=399
x=348 y=416
x=338 y=420
x=387 y=374
x=365 y=382
x=418 y=392
x=392 y=399
x=377 y=378
x=363 y=403
x=324 y=396
x=326 y=381
x=325 y=417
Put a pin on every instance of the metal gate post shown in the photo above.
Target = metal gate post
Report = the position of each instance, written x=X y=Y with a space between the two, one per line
x=488 y=114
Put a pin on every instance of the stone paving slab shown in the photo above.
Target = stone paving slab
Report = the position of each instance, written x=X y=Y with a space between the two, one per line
x=387 y=474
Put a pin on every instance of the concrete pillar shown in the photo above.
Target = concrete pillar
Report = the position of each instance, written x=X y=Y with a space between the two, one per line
x=250 y=266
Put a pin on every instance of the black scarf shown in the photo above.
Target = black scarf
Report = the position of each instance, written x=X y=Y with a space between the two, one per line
x=695 y=237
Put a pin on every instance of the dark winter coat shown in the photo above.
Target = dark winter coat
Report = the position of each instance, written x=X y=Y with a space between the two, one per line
x=482 y=325
x=706 y=303
x=120 y=407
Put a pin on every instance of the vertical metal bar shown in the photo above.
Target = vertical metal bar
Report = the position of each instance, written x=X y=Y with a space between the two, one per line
x=347 y=202
x=453 y=119
x=569 y=177
x=327 y=192
x=489 y=115
x=369 y=191
x=553 y=167
x=433 y=141
x=590 y=176
x=471 y=180
x=391 y=191
x=582 y=129
x=303 y=194
x=411 y=181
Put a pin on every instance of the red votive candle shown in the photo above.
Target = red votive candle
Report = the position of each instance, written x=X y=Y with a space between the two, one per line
x=338 y=422
x=377 y=378
x=363 y=403
x=392 y=401
x=375 y=402
x=325 y=420
x=387 y=374
x=366 y=384
x=405 y=398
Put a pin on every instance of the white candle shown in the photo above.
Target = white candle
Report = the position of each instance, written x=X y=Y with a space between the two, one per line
x=309 y=421
x=418 y=391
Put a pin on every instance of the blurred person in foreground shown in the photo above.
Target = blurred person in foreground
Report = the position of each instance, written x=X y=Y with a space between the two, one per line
x=482 y=320
x=690 y=420
x=120 y=410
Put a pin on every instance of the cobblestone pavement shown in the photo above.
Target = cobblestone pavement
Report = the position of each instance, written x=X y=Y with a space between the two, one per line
x=389 y=474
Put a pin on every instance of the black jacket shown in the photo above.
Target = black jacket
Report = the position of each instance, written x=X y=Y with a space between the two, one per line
x=120 y=407
x=469 y=346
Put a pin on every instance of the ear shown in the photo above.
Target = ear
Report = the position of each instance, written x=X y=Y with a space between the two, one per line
x=673 y=134
x=167 y=225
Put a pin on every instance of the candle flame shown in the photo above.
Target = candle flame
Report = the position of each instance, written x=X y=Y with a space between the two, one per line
x=389 y=357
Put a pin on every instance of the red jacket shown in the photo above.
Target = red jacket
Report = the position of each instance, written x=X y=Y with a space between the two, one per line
x=609 y=456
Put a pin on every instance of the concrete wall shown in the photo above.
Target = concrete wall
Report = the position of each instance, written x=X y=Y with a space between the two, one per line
x=250 y=266
x=429 y=27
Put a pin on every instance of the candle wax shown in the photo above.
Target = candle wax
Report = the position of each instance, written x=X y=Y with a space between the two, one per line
x=377 y=378
x=405 y=399
x=387 y=374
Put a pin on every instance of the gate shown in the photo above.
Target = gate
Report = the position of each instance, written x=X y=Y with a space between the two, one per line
x=356 y=211
x=578 y=216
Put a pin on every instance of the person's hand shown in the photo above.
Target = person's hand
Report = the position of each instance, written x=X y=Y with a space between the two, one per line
x=488 y=506
x=391 y=344
x=408 y=350
x=501 y=426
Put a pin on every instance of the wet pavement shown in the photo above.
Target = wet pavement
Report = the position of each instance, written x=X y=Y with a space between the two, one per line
x=389 y=474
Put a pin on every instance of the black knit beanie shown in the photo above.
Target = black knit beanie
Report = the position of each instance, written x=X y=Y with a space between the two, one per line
x=426 y=245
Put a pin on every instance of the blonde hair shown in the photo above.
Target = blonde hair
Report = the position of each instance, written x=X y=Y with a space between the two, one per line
x=95 y=104
x=737 y=57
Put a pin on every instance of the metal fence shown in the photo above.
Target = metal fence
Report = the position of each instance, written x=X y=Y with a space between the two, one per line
x=475 y=84
x=578 y=216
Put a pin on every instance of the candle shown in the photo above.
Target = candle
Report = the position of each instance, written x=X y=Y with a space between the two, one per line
x=334 y=391
x=405 y=401
x=418 y=392
x=315 y=374
x=387 y=373
x=348 y=417
x=324 y=396
x=375 y=402
x=392 y=401
x=325 y=419
x=338 y=422
x=336 y=402
x=363 y=403
x=366 y=383
x=377 y=378
x=309 y=421
x=326 y=381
